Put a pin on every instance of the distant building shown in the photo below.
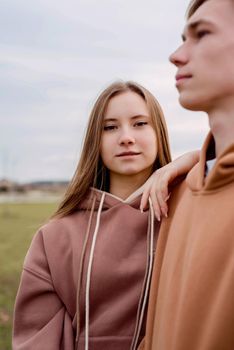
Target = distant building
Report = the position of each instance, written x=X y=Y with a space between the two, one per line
x=6 y=185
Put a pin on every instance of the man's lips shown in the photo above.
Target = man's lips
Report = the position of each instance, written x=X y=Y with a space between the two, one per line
x=126 y=154
x=182 y=77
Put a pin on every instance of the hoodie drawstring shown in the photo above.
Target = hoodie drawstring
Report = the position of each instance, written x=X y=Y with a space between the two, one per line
x=87 y=289
x=146 y=283
x=81 y=270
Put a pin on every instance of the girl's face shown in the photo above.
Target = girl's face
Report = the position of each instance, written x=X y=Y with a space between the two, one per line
x=128 y=142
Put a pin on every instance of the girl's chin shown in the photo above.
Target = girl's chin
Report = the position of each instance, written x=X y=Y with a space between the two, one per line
x=131 y=172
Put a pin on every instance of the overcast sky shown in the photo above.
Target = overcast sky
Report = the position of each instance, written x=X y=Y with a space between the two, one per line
x=57 y=56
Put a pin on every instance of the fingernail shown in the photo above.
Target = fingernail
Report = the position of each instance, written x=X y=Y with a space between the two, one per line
x=166 y=199
x=141 y=210
x=158 y=217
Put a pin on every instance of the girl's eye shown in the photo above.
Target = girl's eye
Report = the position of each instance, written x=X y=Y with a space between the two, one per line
x=141 y=123
x=202 y=33
x=109 y=127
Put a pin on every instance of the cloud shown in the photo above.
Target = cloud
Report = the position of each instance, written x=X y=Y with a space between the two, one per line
x=57 y=56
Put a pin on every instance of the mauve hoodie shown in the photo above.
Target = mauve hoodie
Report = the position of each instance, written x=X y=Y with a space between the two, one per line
x=86 y=278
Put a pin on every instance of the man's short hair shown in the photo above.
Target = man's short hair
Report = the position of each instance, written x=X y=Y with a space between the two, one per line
x=194 y=5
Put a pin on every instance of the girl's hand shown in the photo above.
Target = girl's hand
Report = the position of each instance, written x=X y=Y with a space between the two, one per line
x=156 y=187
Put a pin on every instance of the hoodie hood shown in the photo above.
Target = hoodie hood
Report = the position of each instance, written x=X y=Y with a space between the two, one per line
x=110 y=200
x=222 y=173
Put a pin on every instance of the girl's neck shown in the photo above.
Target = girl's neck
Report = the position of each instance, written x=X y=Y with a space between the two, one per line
x=123 y=186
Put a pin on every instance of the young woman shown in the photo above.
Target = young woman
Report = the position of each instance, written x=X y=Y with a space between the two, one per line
x=86 y=276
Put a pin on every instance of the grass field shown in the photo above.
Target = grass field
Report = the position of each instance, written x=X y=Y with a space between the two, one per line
x=18 y=223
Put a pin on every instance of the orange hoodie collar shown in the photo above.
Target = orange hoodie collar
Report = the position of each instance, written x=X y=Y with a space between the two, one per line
x=222 y=173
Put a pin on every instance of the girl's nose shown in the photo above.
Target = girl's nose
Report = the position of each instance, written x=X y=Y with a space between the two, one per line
x=126 y=138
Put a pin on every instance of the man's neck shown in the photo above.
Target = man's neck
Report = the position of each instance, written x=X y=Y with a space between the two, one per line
x=222 y=128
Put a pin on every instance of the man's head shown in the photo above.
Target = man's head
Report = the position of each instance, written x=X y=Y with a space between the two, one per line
x=205 y=76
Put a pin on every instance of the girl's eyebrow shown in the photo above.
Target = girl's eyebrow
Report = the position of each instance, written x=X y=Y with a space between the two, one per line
x=140 y=116
x=110 y=120
x=133 y=117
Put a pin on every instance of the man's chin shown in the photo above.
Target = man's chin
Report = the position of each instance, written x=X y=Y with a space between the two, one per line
x=190 y=103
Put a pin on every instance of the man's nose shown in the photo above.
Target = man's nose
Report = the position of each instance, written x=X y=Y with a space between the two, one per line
x=179 y=57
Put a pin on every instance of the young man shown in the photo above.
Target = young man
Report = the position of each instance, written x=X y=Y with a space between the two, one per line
x=191 y=304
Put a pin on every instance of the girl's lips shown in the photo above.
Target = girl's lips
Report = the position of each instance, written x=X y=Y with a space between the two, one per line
x=125 y=154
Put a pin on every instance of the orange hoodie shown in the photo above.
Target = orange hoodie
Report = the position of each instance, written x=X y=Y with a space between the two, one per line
x=86 y=278
x=191 y=304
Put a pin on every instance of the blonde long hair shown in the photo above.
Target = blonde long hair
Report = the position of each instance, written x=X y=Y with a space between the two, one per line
x=90 y=171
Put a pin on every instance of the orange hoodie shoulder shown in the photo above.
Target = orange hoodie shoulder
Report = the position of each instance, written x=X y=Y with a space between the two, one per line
x=191 y=303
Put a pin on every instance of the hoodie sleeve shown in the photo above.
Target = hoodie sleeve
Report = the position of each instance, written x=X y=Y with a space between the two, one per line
x=40 y=317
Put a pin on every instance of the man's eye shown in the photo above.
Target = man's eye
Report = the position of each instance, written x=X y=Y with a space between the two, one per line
x=109 y=127
x=202 y=33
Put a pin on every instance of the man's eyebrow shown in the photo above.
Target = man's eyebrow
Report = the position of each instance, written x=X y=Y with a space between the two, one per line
x=192 y=26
